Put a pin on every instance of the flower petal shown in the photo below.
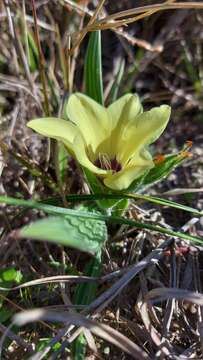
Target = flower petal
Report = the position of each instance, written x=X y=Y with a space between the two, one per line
x=90 y=117
x=135 y=168
x=147 y=128
x=81 y=156
x=122 y=112
x=125 y=109
x=123 y=179
x=55 y=128
x=69 y=134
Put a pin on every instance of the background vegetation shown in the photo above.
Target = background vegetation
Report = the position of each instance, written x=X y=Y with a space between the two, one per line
x=144 y=300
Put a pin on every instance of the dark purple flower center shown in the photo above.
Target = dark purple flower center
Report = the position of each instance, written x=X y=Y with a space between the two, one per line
x=103 y=162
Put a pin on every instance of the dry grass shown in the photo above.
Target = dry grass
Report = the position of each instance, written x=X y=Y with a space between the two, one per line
x=149 y=301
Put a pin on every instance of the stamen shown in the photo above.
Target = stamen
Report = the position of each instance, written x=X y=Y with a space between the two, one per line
x=104 y=162
x=185 y=153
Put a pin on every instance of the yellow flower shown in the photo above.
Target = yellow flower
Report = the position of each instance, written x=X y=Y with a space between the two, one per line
x=110 y=142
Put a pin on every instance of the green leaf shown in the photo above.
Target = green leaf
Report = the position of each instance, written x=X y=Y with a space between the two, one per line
x=5 y=314
x=160 y=171
x=33 y=55
x=56 y=210
x=85 y=235
x=43 y=342
x=29 y=42
x=85 y=293
x=79 y=348
x=93 y=68
x=163 y=169
x=120 y=208
x=121 y=196
x=61 y=162
x=10 y=275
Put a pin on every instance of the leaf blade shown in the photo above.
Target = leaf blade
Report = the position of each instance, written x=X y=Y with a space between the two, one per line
x=55 y=210
x=93 y=68
x=84 y=235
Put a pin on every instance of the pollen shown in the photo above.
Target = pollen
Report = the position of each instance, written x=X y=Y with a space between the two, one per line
x=159 y=159
x=189 y=143
x=186 y=154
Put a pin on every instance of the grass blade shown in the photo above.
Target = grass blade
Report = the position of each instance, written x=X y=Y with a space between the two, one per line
x=93 y=68
x=152 y=199
x=50 y=209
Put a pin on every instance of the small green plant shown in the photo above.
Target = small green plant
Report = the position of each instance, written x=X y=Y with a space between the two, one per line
x=8 y=277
